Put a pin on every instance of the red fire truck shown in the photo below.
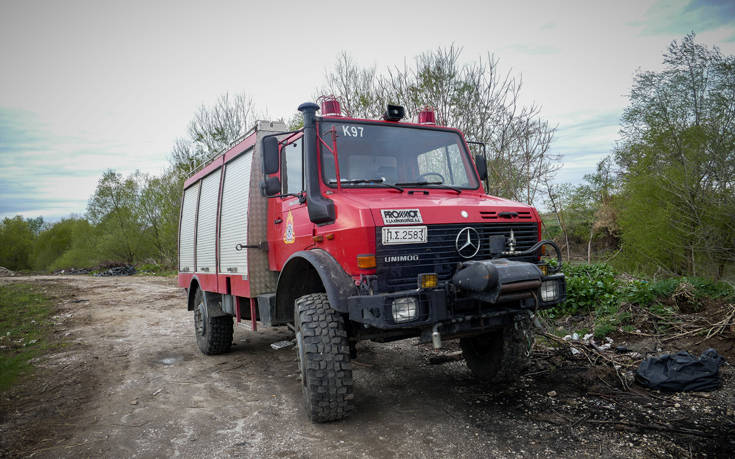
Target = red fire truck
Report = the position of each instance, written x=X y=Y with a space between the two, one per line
x=352 y=229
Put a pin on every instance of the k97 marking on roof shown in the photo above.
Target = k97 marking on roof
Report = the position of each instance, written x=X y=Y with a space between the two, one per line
x=353 y=131
x=401 y=216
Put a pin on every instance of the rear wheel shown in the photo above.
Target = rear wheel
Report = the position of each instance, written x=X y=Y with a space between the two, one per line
x=500 y=356
x=324 y=359
x=214 y=334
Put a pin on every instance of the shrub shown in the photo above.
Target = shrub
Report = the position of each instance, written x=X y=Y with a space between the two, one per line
x=589 y=288
x=638 y=292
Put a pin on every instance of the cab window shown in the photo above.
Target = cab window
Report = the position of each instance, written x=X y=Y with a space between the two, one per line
x=443 y=163
x=292 y=170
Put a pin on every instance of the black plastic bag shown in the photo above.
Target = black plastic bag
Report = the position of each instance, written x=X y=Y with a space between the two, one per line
x=681 y=372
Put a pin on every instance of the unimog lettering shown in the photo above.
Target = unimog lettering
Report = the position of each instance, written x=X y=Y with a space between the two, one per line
x=401 y=258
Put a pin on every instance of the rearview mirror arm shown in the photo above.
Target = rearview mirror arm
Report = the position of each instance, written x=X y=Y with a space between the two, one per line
x=484 y=155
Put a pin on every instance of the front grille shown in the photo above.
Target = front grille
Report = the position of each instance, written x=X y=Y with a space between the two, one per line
x=439 y=255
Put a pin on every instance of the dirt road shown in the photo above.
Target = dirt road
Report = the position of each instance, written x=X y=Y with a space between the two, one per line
x=130 y=381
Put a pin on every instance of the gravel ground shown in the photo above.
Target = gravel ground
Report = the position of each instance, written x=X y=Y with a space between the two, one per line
x=128 y=380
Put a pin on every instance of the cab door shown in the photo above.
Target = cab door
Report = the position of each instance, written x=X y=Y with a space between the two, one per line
x=291 y=217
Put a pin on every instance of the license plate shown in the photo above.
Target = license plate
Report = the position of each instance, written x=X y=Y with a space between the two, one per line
x=404 y=235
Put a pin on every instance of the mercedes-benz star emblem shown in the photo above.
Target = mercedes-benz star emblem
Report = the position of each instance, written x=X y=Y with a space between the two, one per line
x=468 y=242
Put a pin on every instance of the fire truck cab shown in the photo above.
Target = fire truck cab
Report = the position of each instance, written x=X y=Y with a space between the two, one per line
x=351 y=229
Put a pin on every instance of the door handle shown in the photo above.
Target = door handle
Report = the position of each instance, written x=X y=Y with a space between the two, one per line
x=277 y=221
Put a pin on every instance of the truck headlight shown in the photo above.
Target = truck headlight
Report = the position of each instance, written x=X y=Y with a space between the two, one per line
x=404 y=309
x=549 y=291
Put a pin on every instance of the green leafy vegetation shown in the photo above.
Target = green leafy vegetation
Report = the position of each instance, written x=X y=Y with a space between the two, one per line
x=589 y=287
x=130 y=220
x=599 y=291
x=24 y=326
x=16 y=243
x=153 y=269
x=675 y=161
x=663 y=202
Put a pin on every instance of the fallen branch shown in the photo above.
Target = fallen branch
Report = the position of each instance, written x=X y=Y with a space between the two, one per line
x=591 y=349
x=656 y=427
x=720 y=326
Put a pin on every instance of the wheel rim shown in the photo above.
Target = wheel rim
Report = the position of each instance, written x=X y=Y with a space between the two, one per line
x=199 y=322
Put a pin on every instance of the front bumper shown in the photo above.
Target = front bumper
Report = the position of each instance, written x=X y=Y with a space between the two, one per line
x=449 y=303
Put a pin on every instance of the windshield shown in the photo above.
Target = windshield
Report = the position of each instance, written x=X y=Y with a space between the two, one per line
x=379 y=155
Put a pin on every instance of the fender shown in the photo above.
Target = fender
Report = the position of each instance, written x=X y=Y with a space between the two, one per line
x=191 y=292
x=212 y=301
x=312 y=271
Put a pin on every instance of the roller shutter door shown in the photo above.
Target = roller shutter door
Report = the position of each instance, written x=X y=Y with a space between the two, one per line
x=186 y=235
x=207 y=224
x=234 y=217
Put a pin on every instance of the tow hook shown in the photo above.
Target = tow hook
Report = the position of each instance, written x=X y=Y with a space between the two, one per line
x=436 y=338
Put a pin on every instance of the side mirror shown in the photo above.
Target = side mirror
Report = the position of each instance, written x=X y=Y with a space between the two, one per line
x=270 y=155
x=271 y=186
x=481 y=166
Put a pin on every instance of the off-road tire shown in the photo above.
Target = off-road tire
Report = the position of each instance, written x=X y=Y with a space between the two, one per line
x=501 y=355
x=324 y=359
x=213 y=334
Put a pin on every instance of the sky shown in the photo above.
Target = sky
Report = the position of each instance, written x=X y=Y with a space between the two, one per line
x=87 y=86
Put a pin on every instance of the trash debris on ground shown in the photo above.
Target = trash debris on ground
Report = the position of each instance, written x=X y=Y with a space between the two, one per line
x=446 y=357
x=73 y=271
x=5 y=272
x=681 y=372
x=118 y=271
x=587 y=348
x=282 y=344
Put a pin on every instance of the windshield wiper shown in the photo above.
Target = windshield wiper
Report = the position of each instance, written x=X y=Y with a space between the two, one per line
x=441 y=185
x=377 y=181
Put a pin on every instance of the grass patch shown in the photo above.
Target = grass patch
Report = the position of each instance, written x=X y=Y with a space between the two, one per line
x=24 y=326
x=152 y=269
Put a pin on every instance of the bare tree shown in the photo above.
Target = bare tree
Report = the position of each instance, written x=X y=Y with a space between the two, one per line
x=213 y=129
x=355 y=87
x=553 y=199
x=474 y=97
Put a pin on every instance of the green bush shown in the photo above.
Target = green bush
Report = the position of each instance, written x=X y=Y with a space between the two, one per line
x=706 y=288
x=16 y=243
x=638 y=292
x=76 y=257
x=645 y=293
x=589 y=287
x=665 y=287
x=594 y=289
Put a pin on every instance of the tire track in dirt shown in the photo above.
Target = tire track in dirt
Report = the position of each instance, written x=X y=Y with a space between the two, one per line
x=130 y=381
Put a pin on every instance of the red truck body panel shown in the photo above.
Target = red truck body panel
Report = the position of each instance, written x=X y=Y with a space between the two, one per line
x=289 y=229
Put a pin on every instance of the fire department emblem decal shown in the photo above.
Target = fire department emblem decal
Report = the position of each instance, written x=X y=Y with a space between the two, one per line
x=288 y=236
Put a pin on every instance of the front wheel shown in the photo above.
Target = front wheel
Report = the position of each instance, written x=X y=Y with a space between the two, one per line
x=500 y=356
x=214 y=334
x=324 y=359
